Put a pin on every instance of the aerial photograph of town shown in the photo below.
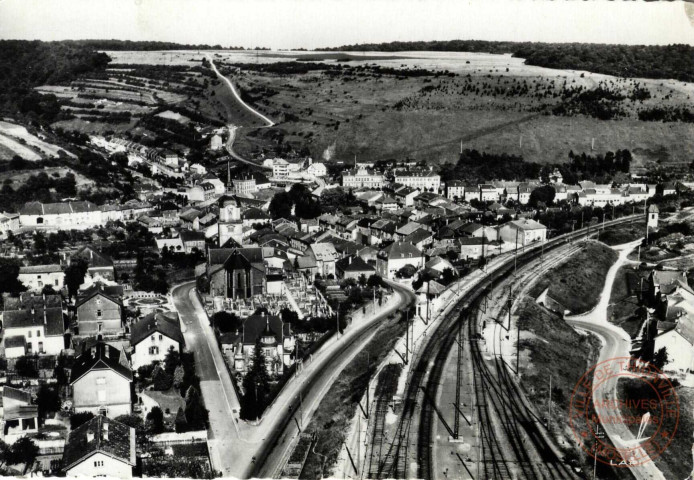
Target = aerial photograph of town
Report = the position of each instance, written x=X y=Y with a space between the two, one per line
x=350 y=239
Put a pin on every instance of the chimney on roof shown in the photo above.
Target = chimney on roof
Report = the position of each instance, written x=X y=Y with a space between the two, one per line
x=106 y=352
x=94 y=351
x=90 y=436
x=105 y=432
x=32 y=310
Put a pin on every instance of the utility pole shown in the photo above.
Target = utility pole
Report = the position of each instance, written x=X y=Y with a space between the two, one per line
x=407 y=336
x=515 y=256
x=459 y=378
x=549 y=406
x=337 y=324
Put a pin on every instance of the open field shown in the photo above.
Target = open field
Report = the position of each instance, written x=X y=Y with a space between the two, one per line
x=20 y=132
x=9 y=147
x=577 y=283
x=418 y=105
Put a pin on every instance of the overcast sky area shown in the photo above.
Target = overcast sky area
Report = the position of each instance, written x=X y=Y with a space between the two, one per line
x=330 y=23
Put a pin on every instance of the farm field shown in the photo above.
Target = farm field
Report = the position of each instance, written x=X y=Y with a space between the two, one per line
x=12 y=135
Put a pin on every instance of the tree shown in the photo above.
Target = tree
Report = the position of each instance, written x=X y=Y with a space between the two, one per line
x=23 y=451
x=362 y=280
x=9 y=271
x=660 y=359
x=178 y=376
x=171 y=360
x=203 y=284
x=26 y=367
x=256 y=386
x=47 y=400
x=80 y=418
x=289 y=316
x=448 y=276
x=226 y=321
x=375 y=281
x=544 y=194
x=155 y=420
x=161 y=379
x=74 y=275
x=195 y=412
x=181 y=424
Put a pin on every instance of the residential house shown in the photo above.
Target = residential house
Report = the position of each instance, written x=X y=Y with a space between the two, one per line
x=19 y=416
x=488 y=193
x=455 y=190
x=420 y=238
x=523 y=231
x=192 y=240
x=98 y=313
x=153 y=336
x=244 y=185
x=276 y=340
x=101 y=381
x=678 y=341
x=397 y=255
x=37 y=277
x=100 y=447
x=405 y=195
x=353 y=267
x=98 y=264
x=325 y=256
x=33 y=324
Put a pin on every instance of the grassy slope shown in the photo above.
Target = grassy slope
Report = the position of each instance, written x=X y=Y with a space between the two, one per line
x=577 y=283
x=433 y=128
x=623 y=233
x=555 y=349
x=624 y=301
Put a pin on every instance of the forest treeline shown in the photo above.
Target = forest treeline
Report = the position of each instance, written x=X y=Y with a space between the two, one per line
x=28 y=64
x=646 y=61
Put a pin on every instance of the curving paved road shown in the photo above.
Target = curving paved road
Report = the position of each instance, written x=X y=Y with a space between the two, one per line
x=615 y=343
x=269 y=122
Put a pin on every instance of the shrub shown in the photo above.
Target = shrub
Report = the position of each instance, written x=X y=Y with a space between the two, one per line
x=161 y=379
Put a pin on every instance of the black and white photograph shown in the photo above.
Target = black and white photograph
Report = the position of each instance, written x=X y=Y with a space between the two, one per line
x=349 y=239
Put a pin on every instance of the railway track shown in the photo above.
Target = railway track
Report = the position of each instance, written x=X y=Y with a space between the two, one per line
x=495 y=390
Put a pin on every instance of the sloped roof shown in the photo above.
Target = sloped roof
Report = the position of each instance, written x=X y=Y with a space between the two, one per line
x=357 y=264
x=93 y=291
x=101 y=357
x=47 y=312
x=100 y=435
x=418 y=235
x=166 y=323
x=402 y=250
x=93 y=257
x=255 y=325
x=40 y=269
x=324 y=251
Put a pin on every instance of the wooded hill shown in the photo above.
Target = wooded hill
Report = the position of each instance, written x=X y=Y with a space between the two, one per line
x=668 y=61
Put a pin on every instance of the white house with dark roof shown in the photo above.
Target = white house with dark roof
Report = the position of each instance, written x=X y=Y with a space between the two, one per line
x=524 y=231
x=33 y=324
x=325 y=255
x=61 y=216
x=397 y=255
x=101 y=380
x=153 y=336
x=679 y=344
x=38 y=276
x=100 y=447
